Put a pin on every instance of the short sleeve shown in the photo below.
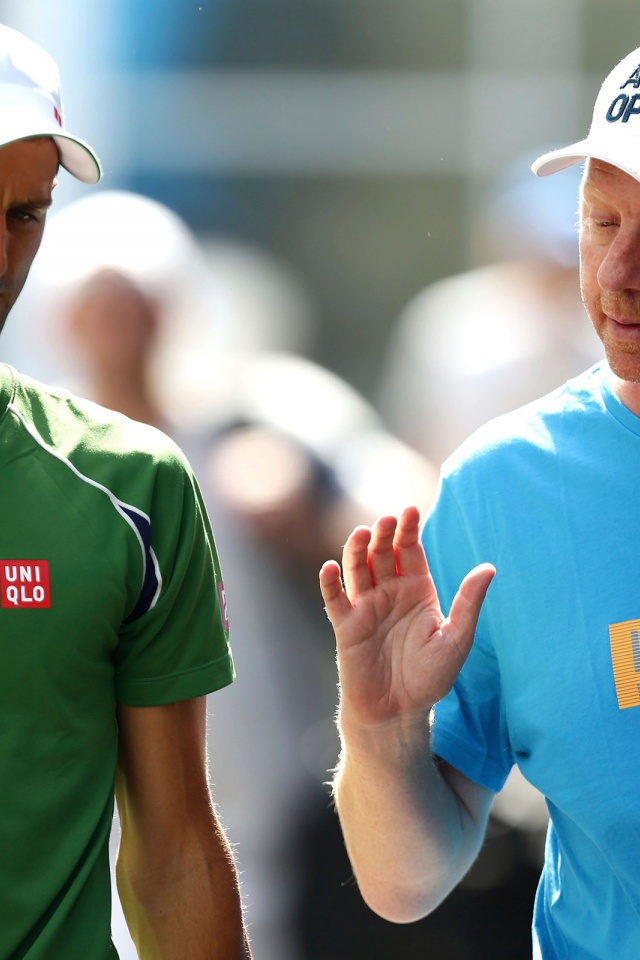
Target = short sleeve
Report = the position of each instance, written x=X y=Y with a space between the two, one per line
x=469 y=725
x=177 y=646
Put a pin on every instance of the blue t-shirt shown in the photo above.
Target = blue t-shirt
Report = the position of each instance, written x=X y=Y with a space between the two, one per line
x=550 y=494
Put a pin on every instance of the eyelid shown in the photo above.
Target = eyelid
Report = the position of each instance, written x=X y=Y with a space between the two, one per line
x=602 y=215
x=32 y=209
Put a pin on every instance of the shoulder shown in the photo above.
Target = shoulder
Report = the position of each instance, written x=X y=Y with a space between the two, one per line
x=97 y=443
x=507 y=480
x=537 y=429
x=64 y=419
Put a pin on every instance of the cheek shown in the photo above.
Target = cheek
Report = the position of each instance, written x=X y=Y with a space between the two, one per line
x=589 y=267
x=21 y=256
x=591 y=292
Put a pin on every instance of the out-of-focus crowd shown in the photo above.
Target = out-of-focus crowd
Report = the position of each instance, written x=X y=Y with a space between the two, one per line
x=214 y=343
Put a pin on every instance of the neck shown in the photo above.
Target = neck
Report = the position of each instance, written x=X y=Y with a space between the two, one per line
x=629 y=393
x=128 y=395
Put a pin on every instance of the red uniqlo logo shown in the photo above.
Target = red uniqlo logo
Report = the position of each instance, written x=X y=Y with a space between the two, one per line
x=25 y=583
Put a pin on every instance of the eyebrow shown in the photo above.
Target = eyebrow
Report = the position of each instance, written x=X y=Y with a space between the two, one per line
x=34 y=203
x=591 y=192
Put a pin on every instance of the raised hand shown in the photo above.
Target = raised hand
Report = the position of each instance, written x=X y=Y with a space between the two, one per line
x=397 y=654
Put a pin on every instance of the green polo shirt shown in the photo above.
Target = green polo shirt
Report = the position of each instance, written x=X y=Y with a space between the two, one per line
x=110 y=590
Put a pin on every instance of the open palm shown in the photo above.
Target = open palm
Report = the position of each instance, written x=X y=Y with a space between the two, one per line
x=397 y=654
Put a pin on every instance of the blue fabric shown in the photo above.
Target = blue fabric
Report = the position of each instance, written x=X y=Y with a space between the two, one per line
x=550 y=495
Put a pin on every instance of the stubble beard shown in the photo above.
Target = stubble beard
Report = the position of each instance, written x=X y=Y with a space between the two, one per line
x=623 y=358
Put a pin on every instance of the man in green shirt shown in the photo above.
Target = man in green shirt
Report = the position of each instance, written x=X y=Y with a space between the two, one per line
x=114 y=629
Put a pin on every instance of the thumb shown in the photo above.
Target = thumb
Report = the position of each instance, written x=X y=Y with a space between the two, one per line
x=465 y=609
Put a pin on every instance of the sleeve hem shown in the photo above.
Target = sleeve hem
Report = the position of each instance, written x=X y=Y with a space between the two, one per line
x=185 y=685
x=473 y=765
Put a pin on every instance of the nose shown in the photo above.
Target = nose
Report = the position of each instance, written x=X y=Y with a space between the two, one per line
x=620 y=268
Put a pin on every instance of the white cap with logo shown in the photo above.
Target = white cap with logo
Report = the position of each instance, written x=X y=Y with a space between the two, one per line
x=614 y=136
x=31 y=104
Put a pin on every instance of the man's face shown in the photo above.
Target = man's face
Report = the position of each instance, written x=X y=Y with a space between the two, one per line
x=610 y=263
x=27 y=176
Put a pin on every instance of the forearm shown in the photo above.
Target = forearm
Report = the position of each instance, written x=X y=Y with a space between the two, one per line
x=410 y=836
x=185 y=906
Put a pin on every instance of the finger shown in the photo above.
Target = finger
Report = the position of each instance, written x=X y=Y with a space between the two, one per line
x=410 y=556
x=465 y=609
x=355 y=567
x=382 y=557
x=336 y=601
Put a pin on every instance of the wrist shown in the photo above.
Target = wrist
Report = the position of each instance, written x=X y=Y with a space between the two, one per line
x=402 y=737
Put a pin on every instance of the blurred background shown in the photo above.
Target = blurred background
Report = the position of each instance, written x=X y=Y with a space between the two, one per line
x=353 y=140
x=318 y=218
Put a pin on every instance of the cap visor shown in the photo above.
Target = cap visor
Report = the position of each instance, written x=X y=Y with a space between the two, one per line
x=560 y=159
x=595 y=149
x=78 y=158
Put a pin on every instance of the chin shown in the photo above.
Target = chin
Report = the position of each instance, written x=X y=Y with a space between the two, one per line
x=626 y=366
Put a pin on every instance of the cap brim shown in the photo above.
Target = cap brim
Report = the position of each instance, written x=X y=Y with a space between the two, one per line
x=560 y=159
x=78 y=158
x=591 y=148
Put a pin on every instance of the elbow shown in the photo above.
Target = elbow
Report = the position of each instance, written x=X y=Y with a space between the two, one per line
x=406 y=895
x=402 y=903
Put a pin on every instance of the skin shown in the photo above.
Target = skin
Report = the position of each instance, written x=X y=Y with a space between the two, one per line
x=610 y=270
x=28 y=171
x=412 y=825
x=176 y=872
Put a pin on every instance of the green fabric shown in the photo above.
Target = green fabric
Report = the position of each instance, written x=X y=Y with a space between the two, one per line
x=73 y=477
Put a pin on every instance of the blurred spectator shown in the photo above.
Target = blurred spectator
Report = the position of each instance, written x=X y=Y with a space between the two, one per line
x=475 y=345
x=295 y=429
x=218 y=301
x=114 y=327
x=287 y=479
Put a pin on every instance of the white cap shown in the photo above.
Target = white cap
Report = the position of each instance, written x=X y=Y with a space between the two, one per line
x=31 y=105
x=614 y=136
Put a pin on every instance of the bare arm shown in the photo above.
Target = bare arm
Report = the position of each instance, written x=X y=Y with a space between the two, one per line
x=175 y=871
x=412 y=828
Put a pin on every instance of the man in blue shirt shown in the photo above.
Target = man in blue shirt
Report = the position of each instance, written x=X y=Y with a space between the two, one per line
x=442 y=690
